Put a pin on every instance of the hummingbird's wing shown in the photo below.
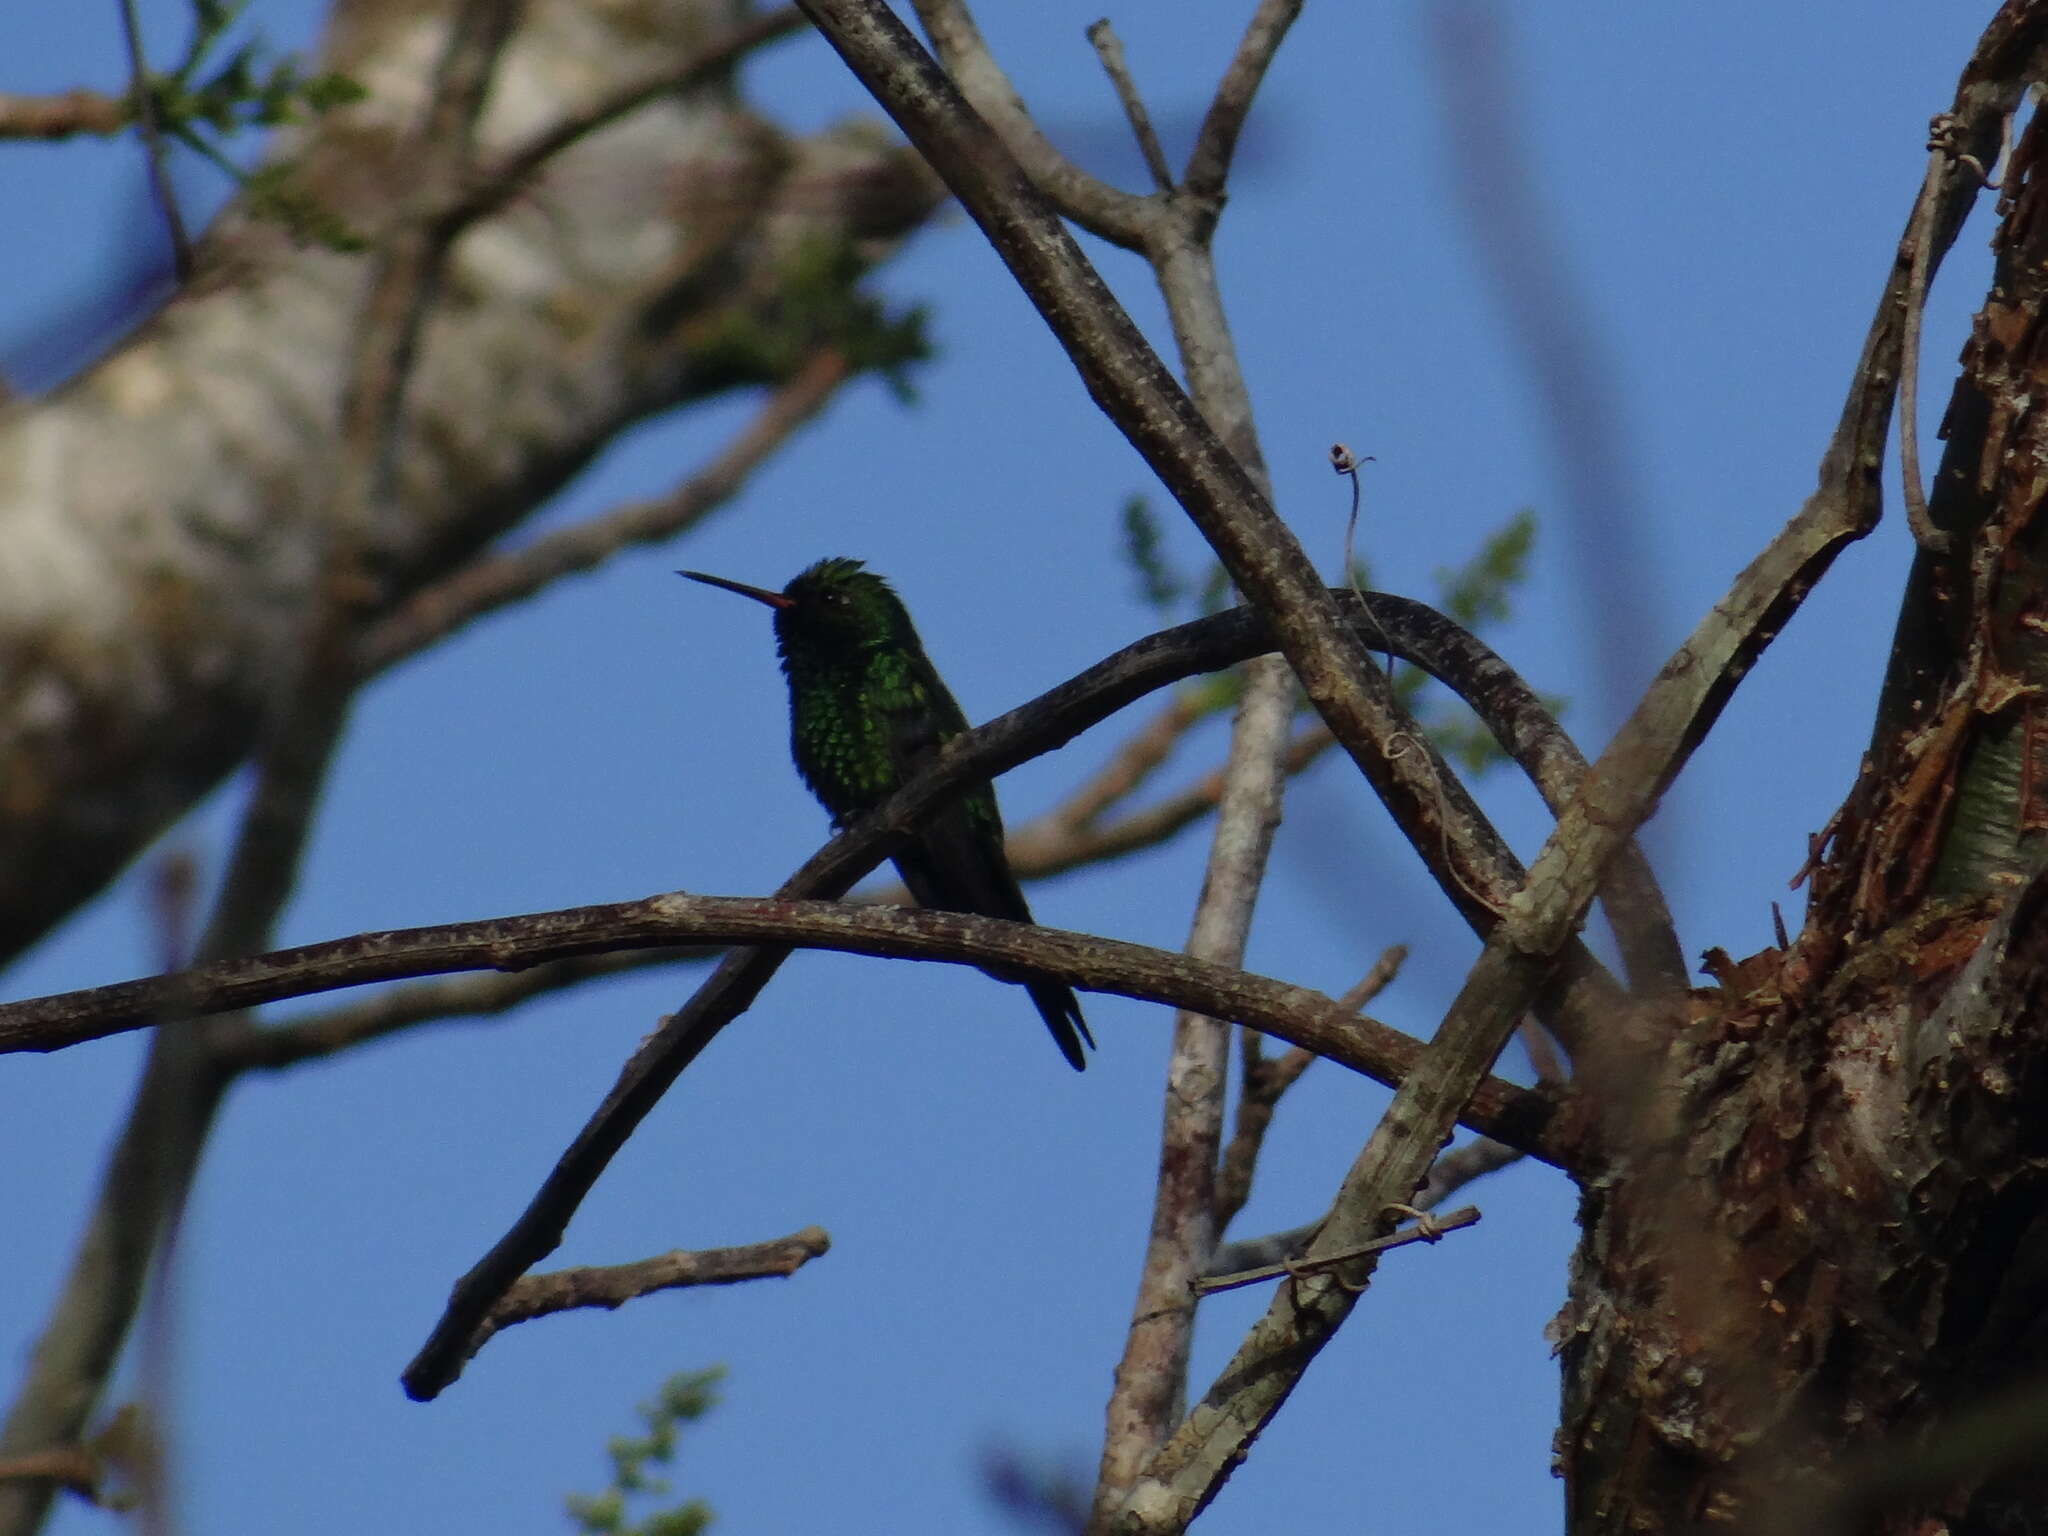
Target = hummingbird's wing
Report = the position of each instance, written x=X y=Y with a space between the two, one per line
x=956 y=862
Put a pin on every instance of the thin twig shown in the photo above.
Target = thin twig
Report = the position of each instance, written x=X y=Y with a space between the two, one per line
x=490 y=188
x=1109 y=49
x=613 y=1285
x=1044 y=848
x=1422 y=1232
x=1454 y=1169
x=144 y=103
x=327 y=1033
x=1128 y=769
x=1263 y=1081
x=1216 y=141
x=436 y=611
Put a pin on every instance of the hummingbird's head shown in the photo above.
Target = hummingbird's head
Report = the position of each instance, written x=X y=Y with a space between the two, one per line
x=835 y=606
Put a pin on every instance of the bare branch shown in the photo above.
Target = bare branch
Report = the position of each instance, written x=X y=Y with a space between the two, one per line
x=1944 y=157
x=1459 y=1167
x=613 y=1285
x=490 y=189
x=1151 y=1376
x=1680 y=707
x=387 y=1013
x=1045 y=847
x=1416 y=632
x=74 y=1468
x=63 y=115
x=1294 y=1014
x=1128 y=770
x=1426 y=1231
x=1216 y=143
x=1439 y=818
x=1102 y=210
x=1262 y=1082
x=1110 y=49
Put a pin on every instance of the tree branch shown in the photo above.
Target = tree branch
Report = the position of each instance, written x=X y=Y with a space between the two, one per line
x=1102 y=210
x=613 y=1285
x=488 y=191
x=1216 y=142
x=1298 y=1015
x=1151 y=1375
x=63 y=115
x=153 y=145
x=1680 y=707
x=1262 y=1082
x=1109 y=48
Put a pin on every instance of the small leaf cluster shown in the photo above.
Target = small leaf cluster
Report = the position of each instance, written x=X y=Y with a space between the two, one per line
x=209 y=97
x=241 y=90
x=683 y=1399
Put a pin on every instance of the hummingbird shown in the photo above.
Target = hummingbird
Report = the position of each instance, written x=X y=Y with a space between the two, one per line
x=866 y=711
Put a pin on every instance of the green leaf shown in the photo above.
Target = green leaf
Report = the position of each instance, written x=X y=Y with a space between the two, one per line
x=684 y=1398
x=1158 y=582
x=1476 y=593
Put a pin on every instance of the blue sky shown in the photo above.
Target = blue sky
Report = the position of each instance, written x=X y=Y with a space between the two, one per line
x=1726 y=184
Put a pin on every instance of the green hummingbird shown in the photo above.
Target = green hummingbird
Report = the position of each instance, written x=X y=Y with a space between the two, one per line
x=866 y=710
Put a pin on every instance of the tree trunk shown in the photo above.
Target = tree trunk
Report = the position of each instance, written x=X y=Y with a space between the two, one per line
x=1821 y=1234
x=159 y=511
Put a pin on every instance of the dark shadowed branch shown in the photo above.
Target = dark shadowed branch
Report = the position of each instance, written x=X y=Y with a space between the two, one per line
x=1297 y=1015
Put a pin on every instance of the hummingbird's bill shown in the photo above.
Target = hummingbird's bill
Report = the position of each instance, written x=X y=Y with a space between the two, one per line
x=758 y=594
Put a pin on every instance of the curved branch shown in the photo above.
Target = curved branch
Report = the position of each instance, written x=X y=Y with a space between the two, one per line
x=1297 y=1015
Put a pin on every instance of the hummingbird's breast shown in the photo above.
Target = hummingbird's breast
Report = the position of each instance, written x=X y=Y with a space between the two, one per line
x=840 y=731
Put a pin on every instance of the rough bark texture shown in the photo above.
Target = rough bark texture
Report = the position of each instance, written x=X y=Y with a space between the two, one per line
x=1822 y=1234
x=158 y=510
